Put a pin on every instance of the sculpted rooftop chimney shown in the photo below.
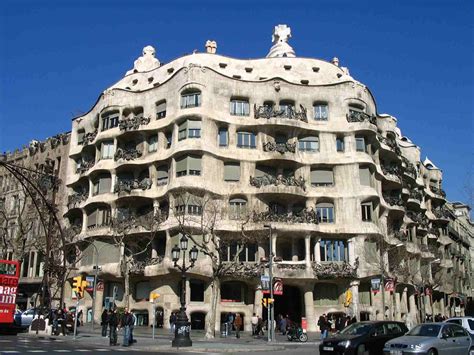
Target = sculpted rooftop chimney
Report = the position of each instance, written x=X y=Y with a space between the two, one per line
x=281 y=48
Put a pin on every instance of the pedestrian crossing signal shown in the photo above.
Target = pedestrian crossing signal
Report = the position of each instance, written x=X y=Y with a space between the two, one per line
x=267 y=301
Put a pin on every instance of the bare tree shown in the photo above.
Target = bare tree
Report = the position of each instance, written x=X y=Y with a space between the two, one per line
x=134 y=235
x=203 y=220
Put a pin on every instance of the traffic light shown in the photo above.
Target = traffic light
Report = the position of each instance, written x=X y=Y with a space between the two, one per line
x=267 y=301
x=78 y=286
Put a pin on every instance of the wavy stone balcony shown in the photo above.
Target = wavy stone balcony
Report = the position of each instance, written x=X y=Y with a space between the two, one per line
x=419 y=218
x=395 y=201
x=281 y=148
x=415 y=194
x=334 y=269
x=391 y=143
x=89 y=137
x=438 y=191
x=392 y=172
x=288 y=113
x=133 y=123
x=357 y=116
x=270 y=180
x=409 y=168
x=305 y=216
x=127 y=154
x=441 y=213
x=126 y=186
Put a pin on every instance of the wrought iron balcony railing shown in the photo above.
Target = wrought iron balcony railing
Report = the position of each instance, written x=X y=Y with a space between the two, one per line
x=267 y=180
x=391 y=143
x=415 y=194
x=89 y=137
x=331 y=269
x=393 y=200
x=420 y=218
x=135 y=184
x=392 y=170
x=279 y=147
x=133 y=123
x=127 y=154
x=358 y=116
x=409 y=168
x=305 y=216
x=77 y=197
x=85 y=165
x=441 y=213
x=288 y=112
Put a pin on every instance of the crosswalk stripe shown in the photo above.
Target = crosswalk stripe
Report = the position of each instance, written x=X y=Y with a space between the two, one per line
x=36 y=351
x=103 y=350
x=10 y=352
x=62 y=351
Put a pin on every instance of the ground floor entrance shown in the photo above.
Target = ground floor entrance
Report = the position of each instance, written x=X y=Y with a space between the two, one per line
x=289 y=304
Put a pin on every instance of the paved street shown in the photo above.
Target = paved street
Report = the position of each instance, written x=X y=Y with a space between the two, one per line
x=92 y=343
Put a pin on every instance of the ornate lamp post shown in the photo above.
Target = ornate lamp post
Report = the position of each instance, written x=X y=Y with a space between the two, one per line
x=181 y=333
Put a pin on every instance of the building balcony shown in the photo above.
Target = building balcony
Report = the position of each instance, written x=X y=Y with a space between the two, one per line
x=392 y=172
x=89 y=137
x=288 y=112
x=441 y=213
x=415 y=194
x=76 y=198
x=438 y=191
x=133 y=123
x=84 y=166
x=127 y=154
x=305 y=216
x=391 y=143
x=409 y=168
x=419 y=218
x=270 y=180
x=334 y=269
x=392 y=200
x=358 y=116
x=127 y=186
x=281 y=148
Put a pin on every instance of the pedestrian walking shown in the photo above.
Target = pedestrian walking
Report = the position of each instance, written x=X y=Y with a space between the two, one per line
x=80 y=315
x=283 y=324
x=126 y=322
x=254 y=321
x=112 y=321
x=230 y=322
x=103 y=322
x=132 y=327
x=237 y=325
x=323 y=326
x=172 y=322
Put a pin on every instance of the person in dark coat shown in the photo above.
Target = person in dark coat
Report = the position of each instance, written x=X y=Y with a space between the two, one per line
x=340 y=323
x=103 y=322
x=112 y=321
x=323 y=326
x=126 y=323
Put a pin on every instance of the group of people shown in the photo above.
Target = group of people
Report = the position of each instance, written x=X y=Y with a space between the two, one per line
x=258 y=325
x=62 y=318
x=233 y=321
x=333 y=323
x=112 y=321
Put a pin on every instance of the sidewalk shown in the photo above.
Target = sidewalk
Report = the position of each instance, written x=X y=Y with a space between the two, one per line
x=162 y=341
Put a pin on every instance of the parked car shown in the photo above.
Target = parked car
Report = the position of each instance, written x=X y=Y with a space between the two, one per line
x=362 y=338
x=432 y=339
x=27 y=317
x=465 y=322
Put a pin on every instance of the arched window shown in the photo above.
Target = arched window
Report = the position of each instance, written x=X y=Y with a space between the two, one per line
x=191 y=98
x=325 y=211
x=326 y=294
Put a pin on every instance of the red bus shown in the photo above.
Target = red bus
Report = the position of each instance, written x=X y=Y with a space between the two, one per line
x=9 y=275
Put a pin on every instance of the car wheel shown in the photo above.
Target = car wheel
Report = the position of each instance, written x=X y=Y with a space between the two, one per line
x=471 y=351
x=432 y=352
x=361 y=350
x=304 y=338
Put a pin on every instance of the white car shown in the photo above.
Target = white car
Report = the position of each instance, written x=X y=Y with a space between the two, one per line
x=466 y=322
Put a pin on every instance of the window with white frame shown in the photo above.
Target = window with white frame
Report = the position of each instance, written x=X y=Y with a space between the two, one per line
x=223 y=137
x=195 y=210
x=110 y=120
x=367 y=209
x=191 y=99
x=325 y=212
x=107 y=150
x=333 y=250
x=152 y=143
x=322 y=177
x=340 y=144
x=188 y=165
x=321 y=112
x=308 y=144
x=161 y=109
x=239 y=107
x=237 y=208
x=246 y=140
x=361 y=146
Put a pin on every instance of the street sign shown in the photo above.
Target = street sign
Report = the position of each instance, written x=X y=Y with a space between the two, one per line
x=277 y=287
x=90 y=283
x=265 y=281
x=375 y=285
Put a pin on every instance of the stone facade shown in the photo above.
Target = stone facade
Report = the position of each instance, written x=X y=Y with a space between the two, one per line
x=292 y=142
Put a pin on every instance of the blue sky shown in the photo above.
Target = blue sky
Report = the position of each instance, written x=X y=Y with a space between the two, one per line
x=56 y=57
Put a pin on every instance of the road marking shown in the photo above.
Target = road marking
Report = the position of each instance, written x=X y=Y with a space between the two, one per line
x=83 y=350
x=36 y=351
x=10 y=352
x=103 y=350
x=62 y=351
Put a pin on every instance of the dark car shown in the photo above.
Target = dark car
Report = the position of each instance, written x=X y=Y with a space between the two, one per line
x=363 y=338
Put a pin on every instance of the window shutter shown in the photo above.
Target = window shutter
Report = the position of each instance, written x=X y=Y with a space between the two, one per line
x=104 y=184
x=181 y=164
x=324 y=205
x=193 y=125
x=322 y=176
x=92 y=219
x=162 y=171
x=231 y=171
x=194 y=163
x=161 y=107
x=364 y=174
x=309 y=139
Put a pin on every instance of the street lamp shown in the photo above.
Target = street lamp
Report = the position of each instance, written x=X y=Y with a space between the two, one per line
x=270 y=274
x=182 y=329
x=383 y=276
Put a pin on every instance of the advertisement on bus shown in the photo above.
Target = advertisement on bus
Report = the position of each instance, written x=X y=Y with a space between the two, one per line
x=9 y=275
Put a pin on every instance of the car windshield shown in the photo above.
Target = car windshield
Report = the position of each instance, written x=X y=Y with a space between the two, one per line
x=357 y=329
x=425 y=330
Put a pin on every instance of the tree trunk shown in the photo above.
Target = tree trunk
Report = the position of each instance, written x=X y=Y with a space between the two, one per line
x=126 y=287
x=211 y=315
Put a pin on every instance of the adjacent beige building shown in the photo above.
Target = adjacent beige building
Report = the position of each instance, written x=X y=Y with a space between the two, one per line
x=295 y=143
